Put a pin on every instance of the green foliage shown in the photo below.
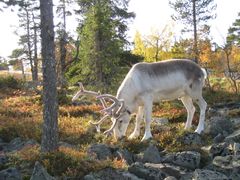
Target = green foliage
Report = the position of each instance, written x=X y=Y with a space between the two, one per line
x=204 y=10
x=102 y=39
x=10 y=82
x=233 y=32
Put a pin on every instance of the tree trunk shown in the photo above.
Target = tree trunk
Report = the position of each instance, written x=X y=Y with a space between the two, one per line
x=50 y=105
x=63 y=51
x=29 y=43
x=35 y=60
x=195 y=43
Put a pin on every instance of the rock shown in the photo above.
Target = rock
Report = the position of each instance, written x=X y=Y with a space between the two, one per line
x=229 y=165
x=10 y=174
x=101 y=151
x=160 y=121
x=236 y=148
x=227 y=162
x=235 y=122
x=110 y=174
x=170 y=178
x=187 y=159
x=151 y=154
x=125 y=155
x=3 y=159
x=190 y=139
x=220 y=149
x=218 y=124
x=208 y=175
x=234 y=137
x=39 y=173
x=144 y=172
x=17 y=144
x=169 y=169
x=219 y=138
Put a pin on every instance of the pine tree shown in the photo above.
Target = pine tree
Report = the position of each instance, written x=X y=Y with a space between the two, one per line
x=233 y=36
x=50 y=106
x=193 y=13
x=102 y=40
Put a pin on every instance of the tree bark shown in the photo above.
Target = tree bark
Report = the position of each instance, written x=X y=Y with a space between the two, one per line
x=35 y=60
x=195 y=43
x=50 y=105
x=63 y=50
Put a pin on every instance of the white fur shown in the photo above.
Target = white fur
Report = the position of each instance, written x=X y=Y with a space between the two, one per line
x=139 y=90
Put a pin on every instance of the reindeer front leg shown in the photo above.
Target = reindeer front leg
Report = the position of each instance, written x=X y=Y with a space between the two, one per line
x=148 y=117
x=139 y=118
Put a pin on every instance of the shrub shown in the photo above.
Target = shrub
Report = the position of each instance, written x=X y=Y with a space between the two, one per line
x=10 y=82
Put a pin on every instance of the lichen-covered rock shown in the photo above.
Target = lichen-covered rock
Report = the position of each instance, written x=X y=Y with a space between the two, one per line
x=190 y=139
x=124 y=155
x=204 y=174
x=187 y=159
x=227 y=162
x=110 y=174
x=229 y=165
x=39 y=173
x=144 y=172
x=17 y=144
x=218 y=124
x=100 y=151
x=234 y=137
x=170 y=178
x=160 y=121
x=151 y=154
x=219 y=138
x=236 y=122
x=3 y=159
x=236 y=148
x=10 y=174
x=220 y=149
x=169 y=169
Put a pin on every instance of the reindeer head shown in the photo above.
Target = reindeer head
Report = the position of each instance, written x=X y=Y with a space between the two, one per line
x=120 y=116
x=117 y=112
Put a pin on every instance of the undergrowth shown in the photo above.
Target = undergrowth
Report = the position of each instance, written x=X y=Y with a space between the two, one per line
x=21 y=116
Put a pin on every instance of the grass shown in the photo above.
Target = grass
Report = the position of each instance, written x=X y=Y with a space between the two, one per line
x=21 y=116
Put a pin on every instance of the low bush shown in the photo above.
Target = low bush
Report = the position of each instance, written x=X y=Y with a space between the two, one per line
x=10 y=82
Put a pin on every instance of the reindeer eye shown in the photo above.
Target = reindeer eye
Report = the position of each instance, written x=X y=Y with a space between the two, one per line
x=120 y=121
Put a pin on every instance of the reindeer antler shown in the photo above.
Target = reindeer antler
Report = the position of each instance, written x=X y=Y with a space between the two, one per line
x=108 y=111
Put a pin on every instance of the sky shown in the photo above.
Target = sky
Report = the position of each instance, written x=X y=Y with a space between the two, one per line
x=150 y=14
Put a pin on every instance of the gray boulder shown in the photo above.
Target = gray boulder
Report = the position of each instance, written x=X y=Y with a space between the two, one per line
x=124 y=155
x=205 y=174
x=187 y=159
x=228 y=165
x=110 y=174
x=3 y=159
x=39 y=173
x=100 y=151
x=190 y=139
x=234 y=137
x=169 y=169
x=218 y=124
x=147 y=173
x=227 y=162
x=220 y=149
x=10 y=174
x=17 y=144
x=236 y=122
x=151 y=154
x=236 y=148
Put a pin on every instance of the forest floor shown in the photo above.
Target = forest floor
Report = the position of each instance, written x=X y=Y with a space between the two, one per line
x=21 y=117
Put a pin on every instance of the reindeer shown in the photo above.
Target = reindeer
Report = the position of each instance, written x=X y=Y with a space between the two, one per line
x=147 y=83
